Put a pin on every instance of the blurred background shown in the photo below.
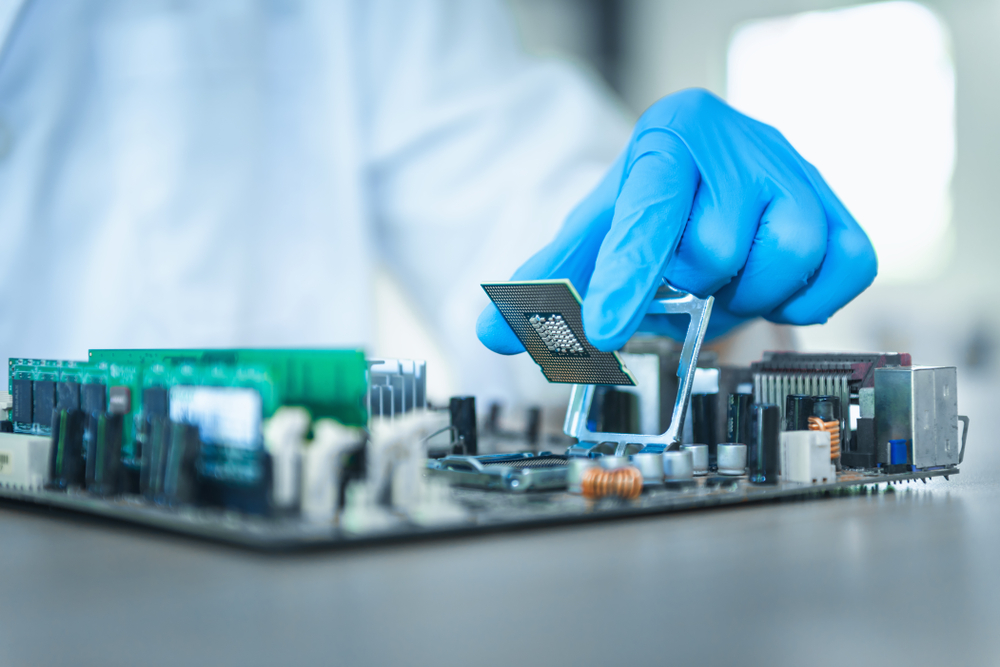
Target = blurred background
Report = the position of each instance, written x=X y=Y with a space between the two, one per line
x=896 y=103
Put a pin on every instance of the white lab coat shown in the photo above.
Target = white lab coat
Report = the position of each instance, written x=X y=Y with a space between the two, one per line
x=227 y=173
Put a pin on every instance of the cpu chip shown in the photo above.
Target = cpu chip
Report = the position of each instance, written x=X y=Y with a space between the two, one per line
x=546 y=317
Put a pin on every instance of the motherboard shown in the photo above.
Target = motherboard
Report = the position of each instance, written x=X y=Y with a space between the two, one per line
x=292 y=449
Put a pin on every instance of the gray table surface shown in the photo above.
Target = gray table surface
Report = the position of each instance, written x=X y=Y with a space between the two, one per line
x=905 y=577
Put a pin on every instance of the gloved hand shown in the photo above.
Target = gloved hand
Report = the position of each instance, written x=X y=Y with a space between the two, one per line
x=715 y=202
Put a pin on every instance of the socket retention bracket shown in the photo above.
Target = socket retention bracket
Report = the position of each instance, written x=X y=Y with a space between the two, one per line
x=667 y=301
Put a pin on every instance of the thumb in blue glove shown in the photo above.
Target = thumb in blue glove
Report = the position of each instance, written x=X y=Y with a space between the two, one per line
x=715 y=202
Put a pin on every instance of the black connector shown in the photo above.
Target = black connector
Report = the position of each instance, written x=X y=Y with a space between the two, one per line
x=861 y=453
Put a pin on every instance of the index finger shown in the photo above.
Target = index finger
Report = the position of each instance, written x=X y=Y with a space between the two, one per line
x=650 y=215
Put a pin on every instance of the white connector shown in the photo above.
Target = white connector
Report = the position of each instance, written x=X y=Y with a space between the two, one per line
x=322 y=467
x=397 y=455
x=805 y=457
x=24 y=460
x=284 y=438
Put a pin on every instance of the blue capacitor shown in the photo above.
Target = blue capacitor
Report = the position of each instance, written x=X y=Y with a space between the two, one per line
x=897 y=452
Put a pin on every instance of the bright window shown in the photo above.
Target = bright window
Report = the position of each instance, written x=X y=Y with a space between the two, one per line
x=867 y=94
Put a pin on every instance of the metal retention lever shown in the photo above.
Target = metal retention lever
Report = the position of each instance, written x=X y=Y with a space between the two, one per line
x=667 y=301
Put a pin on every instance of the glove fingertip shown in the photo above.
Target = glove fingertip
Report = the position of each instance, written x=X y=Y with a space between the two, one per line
x=604 y=333
x=494 y=332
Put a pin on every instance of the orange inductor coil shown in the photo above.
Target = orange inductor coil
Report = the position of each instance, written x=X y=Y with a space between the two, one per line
x=621 y=482
x=833 y=426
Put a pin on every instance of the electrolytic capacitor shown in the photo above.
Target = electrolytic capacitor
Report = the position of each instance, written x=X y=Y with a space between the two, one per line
x=703 y=422
x=699 y=458
x=66 y=465
x=826 y=408
x=738 y=419
x=764 y=463
x=154 y=454
x=732 y=458
x=179 y=481
x=103 y=438
x=534 y=428
x=798 y=410
x=463 y=420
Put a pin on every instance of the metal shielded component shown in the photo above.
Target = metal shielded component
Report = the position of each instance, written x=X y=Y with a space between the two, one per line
x=667 y=301
x=546 y=317
x=509 y=472
x=918 y=404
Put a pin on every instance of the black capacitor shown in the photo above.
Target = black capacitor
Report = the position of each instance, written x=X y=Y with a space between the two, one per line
x=534 y=428
x=738 y=419
x=798 y=410
x=20 y=391
x=765 y=464
x=463 y=420
x=103 y=442
x=703 y=419
x=827 y=408
x=179 y=477
x=68 y=395
x=66 y=467
x=43 y=400
x=154 y=451
x=493 y=421
x=93 y=397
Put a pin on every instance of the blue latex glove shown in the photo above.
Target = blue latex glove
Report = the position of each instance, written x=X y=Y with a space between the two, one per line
x=715 y=202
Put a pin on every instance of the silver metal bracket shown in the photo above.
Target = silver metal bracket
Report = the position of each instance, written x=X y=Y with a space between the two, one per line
x=667 y=301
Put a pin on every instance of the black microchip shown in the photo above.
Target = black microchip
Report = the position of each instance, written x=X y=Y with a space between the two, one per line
x=43 y=398
x=93 y=397
x=68 y=395
x=6 y=426
x=21 y=395
x=155 y=401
